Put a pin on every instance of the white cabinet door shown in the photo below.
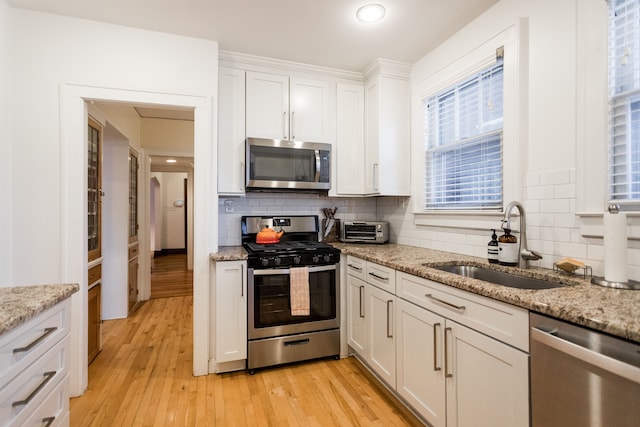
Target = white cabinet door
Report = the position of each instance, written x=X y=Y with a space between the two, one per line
x=231 y=131
x=349 y=148
x=356 y=315
x=381 y=328
x=388 y=151
x=267 y=106
x=420 y=361
x=309 y=119
x=231 y=311
x=487 y=381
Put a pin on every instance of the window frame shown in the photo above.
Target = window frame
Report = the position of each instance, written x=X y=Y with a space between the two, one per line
x=514 y=40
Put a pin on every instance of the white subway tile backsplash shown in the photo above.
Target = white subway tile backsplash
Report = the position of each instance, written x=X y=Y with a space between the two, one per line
x=555 y=206
x=555 y=177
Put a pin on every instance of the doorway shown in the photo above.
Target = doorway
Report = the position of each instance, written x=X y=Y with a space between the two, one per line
x=73 y=121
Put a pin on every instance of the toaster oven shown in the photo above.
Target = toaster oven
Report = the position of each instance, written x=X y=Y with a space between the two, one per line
x=365 y=231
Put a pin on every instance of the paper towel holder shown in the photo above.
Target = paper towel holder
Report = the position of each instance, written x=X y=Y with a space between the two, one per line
x=601 y=281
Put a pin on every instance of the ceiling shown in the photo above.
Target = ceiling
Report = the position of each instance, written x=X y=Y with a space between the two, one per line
x=318 y=32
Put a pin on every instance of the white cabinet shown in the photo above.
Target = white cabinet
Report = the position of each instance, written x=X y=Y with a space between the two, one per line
x=387 y=146
x=280 y=107
x=482 y=380
x=349 y=147
x=371 y=320
x=230 y=293
x=34 y=370
x=231 y=130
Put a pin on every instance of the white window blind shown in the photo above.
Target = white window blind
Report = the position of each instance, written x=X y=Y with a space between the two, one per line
x=463 y=143
x=624 y=102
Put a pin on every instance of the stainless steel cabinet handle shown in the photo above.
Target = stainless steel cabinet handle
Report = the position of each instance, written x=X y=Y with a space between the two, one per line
x=242 y=175
x=459 y=308
x=293 y=126
x=47 y=378
x=284 y=126
x=354 y=267
x=447 y=374
x=47 y=332
x=361 y=304
x=46 y=422
x=375 y=177
x=389 y=313
x=435 y=347
x=386 y=279
x=591 y=357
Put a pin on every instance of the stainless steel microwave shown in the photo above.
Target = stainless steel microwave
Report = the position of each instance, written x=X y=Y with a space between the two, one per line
x=274 y=164
x=365 y=231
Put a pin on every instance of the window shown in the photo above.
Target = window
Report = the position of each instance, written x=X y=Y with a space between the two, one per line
x=463 y=143
x=624 y=103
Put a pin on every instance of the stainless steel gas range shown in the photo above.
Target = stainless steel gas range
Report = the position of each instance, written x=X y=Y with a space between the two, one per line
x=293 y=289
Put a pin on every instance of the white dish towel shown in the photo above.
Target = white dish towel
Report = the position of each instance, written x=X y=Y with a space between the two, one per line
x=299 y=291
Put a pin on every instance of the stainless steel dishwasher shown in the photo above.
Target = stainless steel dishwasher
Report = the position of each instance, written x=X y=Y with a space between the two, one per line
x=580 y=377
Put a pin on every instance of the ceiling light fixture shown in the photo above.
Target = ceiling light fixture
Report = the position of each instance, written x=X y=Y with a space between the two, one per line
x=370 y=13
x=171 y=160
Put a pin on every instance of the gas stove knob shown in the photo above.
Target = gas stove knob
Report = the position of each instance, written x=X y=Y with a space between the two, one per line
x=277 y=261
x=316 y=259
x=264 y=261
x=297 y=259
x=327 y=258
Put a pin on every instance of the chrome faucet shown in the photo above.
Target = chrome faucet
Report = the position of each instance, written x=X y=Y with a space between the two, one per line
x=525 y=254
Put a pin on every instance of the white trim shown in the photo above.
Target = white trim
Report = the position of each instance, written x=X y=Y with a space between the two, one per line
x=73 y=122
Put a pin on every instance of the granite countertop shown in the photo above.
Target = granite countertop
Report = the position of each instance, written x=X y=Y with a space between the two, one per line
x=614 y=311
x=19 y=304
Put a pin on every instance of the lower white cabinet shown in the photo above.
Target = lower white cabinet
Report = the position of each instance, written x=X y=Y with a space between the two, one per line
x=230 y=293
x=422 y=341
x=34 y=370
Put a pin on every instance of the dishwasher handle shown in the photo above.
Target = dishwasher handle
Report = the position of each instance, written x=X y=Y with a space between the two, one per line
x=586 y=355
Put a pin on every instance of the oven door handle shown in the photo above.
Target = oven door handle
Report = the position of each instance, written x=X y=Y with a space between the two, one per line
x=279 y=271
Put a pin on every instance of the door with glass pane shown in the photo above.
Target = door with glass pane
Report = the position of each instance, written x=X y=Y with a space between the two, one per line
x=94 y=237
x=133 y=229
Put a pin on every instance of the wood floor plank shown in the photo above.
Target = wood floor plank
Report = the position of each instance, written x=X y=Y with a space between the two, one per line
x=143 y=377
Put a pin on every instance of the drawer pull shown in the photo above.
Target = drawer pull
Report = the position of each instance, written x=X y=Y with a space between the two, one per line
x=46 y=422
x=296 y=342
x=354 y=267
x=386 y=279
x=47 y=332
x=47 y=378
x=459 y=308
x=389 y=315
x=361 y=303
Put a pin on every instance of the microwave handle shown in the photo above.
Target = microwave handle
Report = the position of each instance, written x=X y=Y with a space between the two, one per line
x=317 y=176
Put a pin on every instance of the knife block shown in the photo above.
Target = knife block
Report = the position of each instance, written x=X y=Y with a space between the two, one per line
x=334 y=232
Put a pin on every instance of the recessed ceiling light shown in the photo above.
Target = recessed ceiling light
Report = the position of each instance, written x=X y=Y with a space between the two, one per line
x=171 y=160
x=370 y=13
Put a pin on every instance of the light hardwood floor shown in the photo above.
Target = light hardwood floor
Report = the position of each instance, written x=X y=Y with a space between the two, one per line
x=170 y=277
x=143 y=377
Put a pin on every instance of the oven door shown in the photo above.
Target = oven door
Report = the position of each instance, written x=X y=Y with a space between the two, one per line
x=270 y=302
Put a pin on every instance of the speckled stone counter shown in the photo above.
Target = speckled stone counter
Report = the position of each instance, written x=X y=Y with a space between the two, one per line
x=229 y=253
x=614 y=311
x=21 y=303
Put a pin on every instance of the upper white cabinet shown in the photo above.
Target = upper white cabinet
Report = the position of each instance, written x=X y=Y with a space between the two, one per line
x=387 y=152
x=349 y=147
x=231 y=128
x=290 y=108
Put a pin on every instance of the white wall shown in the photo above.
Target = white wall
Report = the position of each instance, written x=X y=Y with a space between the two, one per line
x=550 y=158
x=55 y=62
x=171 y=224
x=6 y=151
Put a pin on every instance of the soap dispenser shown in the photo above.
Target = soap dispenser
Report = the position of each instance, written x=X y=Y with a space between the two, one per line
x=492 y=248
x=508 y=248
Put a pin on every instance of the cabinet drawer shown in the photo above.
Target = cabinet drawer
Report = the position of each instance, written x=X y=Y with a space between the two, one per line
x=53 y=412
x=21 y=347
x=95 y=273
x=499 y=320
x=133 y=251
x=381 y=277
x=30 y=388
x=357 y=267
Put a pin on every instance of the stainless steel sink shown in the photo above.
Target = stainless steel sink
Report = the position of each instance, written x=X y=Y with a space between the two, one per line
x=498 y=277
